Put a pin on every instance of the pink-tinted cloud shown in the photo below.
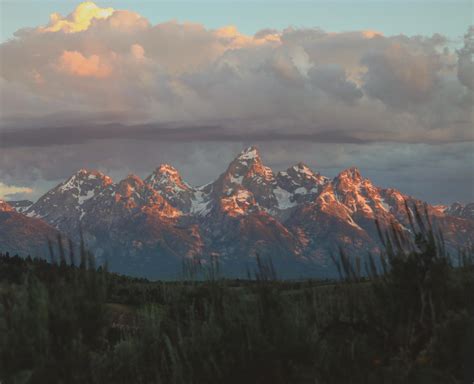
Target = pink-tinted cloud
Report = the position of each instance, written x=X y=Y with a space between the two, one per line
x=76 y=64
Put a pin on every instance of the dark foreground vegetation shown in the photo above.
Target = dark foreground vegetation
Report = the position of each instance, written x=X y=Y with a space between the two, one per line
x=409 y=320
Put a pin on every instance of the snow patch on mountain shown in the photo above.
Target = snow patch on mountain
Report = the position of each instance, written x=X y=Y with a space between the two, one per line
x=249 y=153
x=89 y=194
x=200 y=203
x=284 y=198
x=384 y=205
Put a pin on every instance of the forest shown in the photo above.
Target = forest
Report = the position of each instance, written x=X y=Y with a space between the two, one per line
x=405 y=316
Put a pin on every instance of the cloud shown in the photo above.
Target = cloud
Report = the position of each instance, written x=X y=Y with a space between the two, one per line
x=356 y=85
x=465 y=62
x=333 y=80
x=102 y=75
x=74 y=63
x=79 y=20
x=370 y=34
x=400 y=77
x=7 y=191
x=138 y=52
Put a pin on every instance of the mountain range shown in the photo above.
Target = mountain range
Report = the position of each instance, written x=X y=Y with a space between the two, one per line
x=297 y=217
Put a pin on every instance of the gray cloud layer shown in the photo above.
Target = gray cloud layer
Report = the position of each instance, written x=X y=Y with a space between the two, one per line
x=437 y=173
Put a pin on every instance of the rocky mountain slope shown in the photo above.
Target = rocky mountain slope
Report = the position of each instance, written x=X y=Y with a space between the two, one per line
x=297 y=217
x=23 y=235
x=20 y=205
x=459 y=210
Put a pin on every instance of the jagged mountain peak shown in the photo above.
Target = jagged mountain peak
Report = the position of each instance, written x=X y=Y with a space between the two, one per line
x=298 y=184
x=247 y=172
x=132 y=179
x=84 y=178
x=66 y=201
x=167 y=176
x=81 y=186
x=359 y=196
x=460 y=210
x=85 y=173
x=167 y=181
x=249 y=153
x=248 y=164
x=456 y=206
x=130 y=187
x=302 y=171
x=352 y=173
x=166 y=169
x=302 y=167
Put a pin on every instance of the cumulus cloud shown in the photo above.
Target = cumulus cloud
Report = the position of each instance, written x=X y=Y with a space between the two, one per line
x=103 y=61
x=400 y=77
x=333 y=80
x=79 y=20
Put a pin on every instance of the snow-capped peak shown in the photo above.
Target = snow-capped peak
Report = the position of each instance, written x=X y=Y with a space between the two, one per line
x=245 y=167
x=131 y=186
x=250 y=153
x=302 y=171
x=68 y=199
x=302 y=168
x=167 y=169
x=166 y=176
x=299 y=183
x=246 y=172
x=167 y=181
x=84 y=176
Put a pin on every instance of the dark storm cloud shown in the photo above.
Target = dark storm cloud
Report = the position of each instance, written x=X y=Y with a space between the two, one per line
x=437 y=173
x=173 y=132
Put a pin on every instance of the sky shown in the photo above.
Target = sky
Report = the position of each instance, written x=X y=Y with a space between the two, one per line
x=421 y=17
x=123 y=86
